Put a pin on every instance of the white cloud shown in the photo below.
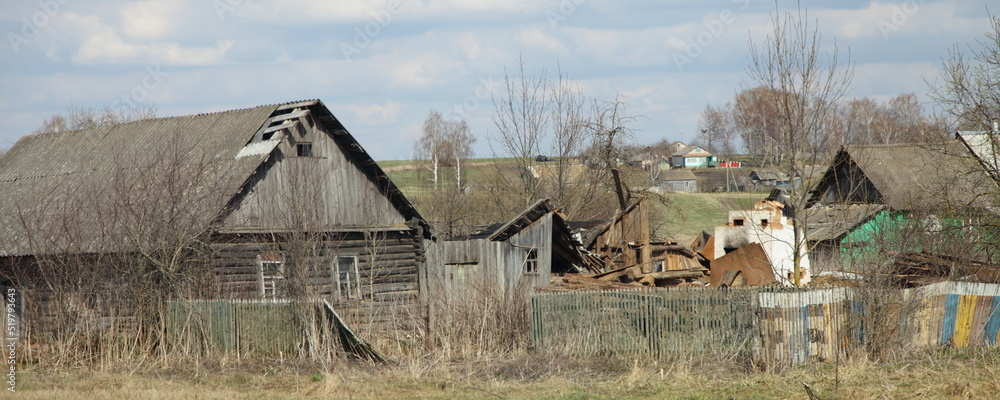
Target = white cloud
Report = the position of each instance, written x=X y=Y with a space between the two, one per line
x=376 y=114
x=534 y=37
x=107 y=47
x=418 y=71
x=437 y=54
x=150 y=19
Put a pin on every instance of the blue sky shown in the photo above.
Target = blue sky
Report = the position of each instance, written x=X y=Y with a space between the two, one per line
x=382 y=65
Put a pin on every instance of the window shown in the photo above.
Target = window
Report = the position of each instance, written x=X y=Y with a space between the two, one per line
x=346 y=277
x=763 y=223
x=738 y=221
x=304 y=149
x=271 y=271
x=531 y=262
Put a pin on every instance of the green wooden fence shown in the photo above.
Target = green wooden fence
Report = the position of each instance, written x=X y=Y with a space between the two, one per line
x=770 y=325
x=242 y=327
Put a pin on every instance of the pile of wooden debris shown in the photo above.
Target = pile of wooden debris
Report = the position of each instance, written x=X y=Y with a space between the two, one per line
x=912 y=269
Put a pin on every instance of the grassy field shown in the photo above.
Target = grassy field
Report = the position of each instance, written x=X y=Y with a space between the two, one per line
x=686 y=215
x=948 y=374
x=690 y=213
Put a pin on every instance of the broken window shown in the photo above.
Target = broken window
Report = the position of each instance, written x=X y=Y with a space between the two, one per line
x=271 y=272
x=346 y=277
x=531 y=262
x=304 y=149
x=763 y=223
x=738 y=221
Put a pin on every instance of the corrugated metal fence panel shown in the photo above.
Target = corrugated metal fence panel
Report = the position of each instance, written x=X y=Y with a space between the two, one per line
x=783 y=326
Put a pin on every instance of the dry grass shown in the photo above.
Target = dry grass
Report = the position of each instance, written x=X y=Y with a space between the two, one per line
x=946 y=374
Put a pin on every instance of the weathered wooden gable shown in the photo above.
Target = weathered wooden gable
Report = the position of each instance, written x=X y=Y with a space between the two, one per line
x=311 y=179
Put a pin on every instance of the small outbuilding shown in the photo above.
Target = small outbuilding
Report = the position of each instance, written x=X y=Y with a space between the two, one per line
x=678 y=180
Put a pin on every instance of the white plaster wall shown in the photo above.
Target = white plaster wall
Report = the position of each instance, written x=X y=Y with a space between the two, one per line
x=778 y=244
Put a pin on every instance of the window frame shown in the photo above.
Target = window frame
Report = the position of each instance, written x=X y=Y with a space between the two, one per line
x=275 y=277
x=531 y=262
x=353 y=288
x=308 y=146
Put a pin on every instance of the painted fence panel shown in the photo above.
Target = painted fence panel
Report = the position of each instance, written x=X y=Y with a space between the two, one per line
x=772 y=325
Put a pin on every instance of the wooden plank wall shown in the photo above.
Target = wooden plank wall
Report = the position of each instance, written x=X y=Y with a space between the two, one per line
x=325 y=190
x=389 y=266
x=773 y=326
x=632 y=227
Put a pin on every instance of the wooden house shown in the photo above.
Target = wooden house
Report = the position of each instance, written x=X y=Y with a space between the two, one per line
x=693 y=157
x=270 y=202
x=895 y=197
x=770 y=178
x=678 y=181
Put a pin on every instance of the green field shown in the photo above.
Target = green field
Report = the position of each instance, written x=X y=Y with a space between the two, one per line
x=689 y=214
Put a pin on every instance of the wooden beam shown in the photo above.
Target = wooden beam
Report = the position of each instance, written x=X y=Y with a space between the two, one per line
x=285 y=125
x=298 y=104
x=291 y=115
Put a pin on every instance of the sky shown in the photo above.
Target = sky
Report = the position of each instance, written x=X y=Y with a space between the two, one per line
x=381 y=66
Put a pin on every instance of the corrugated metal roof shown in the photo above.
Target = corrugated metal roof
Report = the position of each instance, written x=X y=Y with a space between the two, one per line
x=98 y=189
x=697 y=151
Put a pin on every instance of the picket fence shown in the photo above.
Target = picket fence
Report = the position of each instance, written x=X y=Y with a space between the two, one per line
x=770 y=325
x=241 y=327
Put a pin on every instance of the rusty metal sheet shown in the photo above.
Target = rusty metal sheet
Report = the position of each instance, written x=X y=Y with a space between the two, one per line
x=750 y=260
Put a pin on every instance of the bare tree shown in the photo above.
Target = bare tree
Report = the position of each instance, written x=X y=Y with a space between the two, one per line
x=754 y=116
x=520 y=120
x=611 y=125
x=460 y=143
x=78 y=117
x=808 y=85
x=585 y=138
x=969 y=83
x=716 y=125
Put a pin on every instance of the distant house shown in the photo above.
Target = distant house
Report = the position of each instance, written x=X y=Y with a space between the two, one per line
x=678 y=180
x=692 y=157
x=771 y=178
